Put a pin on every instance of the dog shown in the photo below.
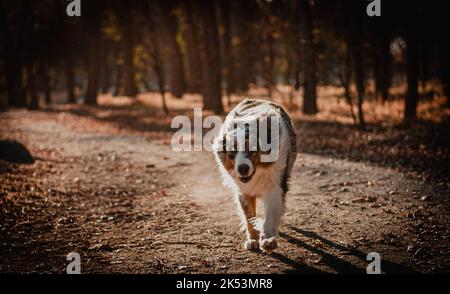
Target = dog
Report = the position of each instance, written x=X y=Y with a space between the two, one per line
x=251 y=178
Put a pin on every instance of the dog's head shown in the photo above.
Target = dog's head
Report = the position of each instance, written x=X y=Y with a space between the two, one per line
x=243 y=160
x=243 y=164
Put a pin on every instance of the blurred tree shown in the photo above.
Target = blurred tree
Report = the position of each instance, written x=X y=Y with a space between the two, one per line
x=382 y=66
x=13 y=25
x=190 y=31
x=443 y=55
x=31 y=58
x=345 y=76
x=291 y=32
x=211 y=82
x=309 y=58
x=354 y=25
x=112 y=50
x=445 y=69
x=412 y=70
x=155 y=51
x=172 y=51
x=246 y=42
x=269 y=32
x=228 y=54
x=68 y=35
x=92 y=30
x=127 y=23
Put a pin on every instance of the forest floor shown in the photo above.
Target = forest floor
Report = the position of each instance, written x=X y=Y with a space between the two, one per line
x=105 y=183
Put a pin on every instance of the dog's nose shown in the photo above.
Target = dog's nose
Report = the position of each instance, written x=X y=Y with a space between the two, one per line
x=243 y=169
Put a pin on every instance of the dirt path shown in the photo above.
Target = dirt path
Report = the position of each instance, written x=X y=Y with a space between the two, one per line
x=127 y=204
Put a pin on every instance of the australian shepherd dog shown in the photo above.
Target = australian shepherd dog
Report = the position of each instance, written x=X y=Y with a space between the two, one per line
x=255 y=151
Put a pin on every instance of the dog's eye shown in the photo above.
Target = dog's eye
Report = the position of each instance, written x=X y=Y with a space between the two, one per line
x=231 y=154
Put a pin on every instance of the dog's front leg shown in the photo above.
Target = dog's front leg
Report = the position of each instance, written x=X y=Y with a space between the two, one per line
x=248 y=213
x=274 y=209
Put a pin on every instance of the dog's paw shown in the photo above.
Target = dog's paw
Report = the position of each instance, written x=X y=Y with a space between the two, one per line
x=268 y=245
x=251 y=244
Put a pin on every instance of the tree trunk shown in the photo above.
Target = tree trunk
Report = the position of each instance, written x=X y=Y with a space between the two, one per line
x=47 y=83
x=211 y=86
x=157 y=68
x=32 y=87
x=70 y=79
x=422 y=62
x=129 y=83
x=161 y=82
x=359 y=81
x=353 y=30
x=68 y=57
x=349 y=99
x=31 y=57
x=155 y=44
x=268 y=56
x=173 y=55
x=93 y=34
x=386 y=67
x=13 y=60
x=190 y=33
x=412 y=68
x=345 y=77
x=118 y=81
x=106 y=69
x=227 y=37
x=244 y=38
x=377 y=68
x=309 y=59
x=444 y=71
x=16 y=93
x=382 y=67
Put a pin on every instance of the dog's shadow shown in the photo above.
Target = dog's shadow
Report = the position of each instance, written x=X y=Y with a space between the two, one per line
x=330 y=259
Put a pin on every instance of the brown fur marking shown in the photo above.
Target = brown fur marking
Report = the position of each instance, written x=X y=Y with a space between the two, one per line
x=248 y=205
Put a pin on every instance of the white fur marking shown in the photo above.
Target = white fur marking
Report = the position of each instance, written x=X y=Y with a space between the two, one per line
x=274 y=209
